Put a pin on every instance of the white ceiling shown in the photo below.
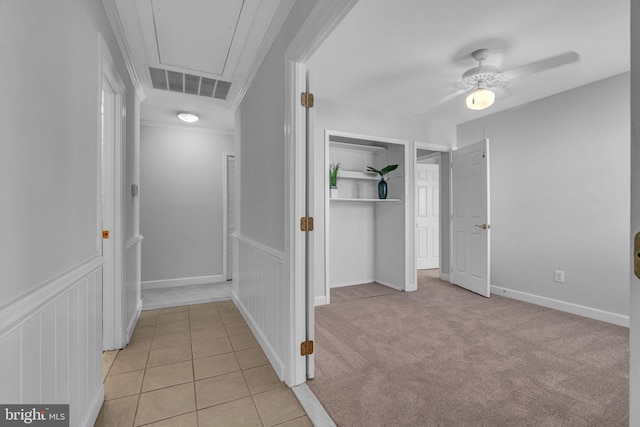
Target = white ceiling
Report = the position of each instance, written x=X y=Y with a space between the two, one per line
x=409 y=55
x=405 y=56
x=220 y=40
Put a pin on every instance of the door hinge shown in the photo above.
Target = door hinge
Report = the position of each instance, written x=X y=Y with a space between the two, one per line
x=306 y=223
x=306 y=348
x=306 y=99
x=105 y=234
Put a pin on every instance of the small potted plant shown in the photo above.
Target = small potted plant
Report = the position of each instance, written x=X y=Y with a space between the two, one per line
x=382 y=185
x=333 y=180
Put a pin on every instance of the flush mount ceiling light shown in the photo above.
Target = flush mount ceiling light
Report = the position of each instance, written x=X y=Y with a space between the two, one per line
x=480 y=98
x=188 y=117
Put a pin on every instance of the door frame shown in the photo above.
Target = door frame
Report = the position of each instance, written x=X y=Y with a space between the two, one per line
x=322 y=20
x=225 y=209
x=442 y=149
x=112 y=294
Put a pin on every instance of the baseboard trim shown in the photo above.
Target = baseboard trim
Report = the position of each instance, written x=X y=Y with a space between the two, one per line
x=269 y=351
x=358 y=282
x=312 y=406
x=94 y=408
x=134 y=321
x=568 y=307
x=390 y=285
x=321 y=300
x=185 y=281
x=446 y=277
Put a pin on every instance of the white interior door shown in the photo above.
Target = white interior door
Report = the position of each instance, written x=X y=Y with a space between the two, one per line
x=428 y=216
x=471 y=229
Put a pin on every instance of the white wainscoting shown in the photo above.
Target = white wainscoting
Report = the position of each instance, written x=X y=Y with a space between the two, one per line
x=259 y=292
x=51 y=344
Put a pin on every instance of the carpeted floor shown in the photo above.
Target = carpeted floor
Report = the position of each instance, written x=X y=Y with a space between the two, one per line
x=443 y=356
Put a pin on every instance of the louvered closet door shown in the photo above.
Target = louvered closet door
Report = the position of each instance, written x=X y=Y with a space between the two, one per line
x=231 y=211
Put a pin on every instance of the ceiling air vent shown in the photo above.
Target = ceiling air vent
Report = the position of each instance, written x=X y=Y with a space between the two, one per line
x=189 y=83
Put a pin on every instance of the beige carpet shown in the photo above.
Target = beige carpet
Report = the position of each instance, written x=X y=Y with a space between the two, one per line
x=443 y=356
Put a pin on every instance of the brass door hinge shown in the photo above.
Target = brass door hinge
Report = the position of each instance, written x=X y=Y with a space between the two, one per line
x=306 y=348
x=306 y=99
x=105 y=234
x=306 y=223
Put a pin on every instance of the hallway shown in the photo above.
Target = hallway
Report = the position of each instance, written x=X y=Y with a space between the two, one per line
x=196 y=365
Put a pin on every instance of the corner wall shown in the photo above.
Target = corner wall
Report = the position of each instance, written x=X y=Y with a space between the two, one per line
x=559 y=199
x=50 y=265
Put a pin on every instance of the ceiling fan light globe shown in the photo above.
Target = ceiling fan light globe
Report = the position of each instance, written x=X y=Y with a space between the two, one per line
x=480 y=99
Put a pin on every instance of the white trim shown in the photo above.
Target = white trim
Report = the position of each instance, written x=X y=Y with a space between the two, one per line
x=324 y=17
x=133 y=241
x=134 y=319
x=267 y=40
x=580 y=310
x=277 y=255
x=184 y=281
x=173 y=126
x=321 y=300
x=13 y=313
x=365 y=137
x=320 y=23
x=94 y=408
x=390 y=285
x=269 y=351
x=112 y=298
x=446 y=277
x=312 y=406
x=118 y=31
x=225 y=209
x=352 y=283
x=433 y=147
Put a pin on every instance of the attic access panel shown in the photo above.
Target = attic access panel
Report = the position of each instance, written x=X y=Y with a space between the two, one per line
x=196 y=34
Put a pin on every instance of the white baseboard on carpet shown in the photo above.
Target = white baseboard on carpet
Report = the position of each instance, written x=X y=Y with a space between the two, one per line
x=321 y=300
x=390 y=285
x=446 y=277
x=411 y=287
x=268 y=350
x=185 y=281
x=358 y=282
x=580 y=310
x=314 y=409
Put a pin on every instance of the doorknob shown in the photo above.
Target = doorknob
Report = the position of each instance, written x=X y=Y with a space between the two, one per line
x=483 y=226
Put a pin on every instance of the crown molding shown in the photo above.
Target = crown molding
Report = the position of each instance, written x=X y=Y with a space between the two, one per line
x=274 y=29
x=174 y=126
x=118 y=31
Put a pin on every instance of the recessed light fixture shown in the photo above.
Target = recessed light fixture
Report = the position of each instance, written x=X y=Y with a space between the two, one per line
x=188 y=117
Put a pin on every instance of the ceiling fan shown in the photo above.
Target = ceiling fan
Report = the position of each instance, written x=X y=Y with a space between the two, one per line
x=481 y=79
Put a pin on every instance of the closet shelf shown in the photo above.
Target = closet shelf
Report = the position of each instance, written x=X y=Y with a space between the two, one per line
x=344 y=173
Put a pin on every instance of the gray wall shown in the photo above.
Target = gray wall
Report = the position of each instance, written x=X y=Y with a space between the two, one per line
x=181 y=202
x=559 y=194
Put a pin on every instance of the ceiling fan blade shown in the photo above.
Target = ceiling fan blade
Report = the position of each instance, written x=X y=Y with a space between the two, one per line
x=543 y=65
x=450 y=97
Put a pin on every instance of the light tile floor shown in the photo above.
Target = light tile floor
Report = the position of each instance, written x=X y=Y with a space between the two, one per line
x=195 y=366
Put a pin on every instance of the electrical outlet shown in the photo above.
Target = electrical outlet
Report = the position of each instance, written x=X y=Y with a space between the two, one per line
x=558 y=276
